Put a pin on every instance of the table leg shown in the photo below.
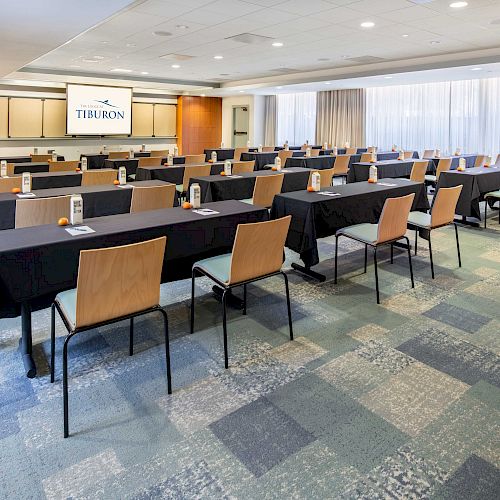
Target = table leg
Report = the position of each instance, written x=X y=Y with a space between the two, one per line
x=309 y=272
x=466 y=222
x=26 y=343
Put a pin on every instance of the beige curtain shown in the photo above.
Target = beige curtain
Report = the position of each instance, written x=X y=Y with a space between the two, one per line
x=270 y=120
x=340 y=117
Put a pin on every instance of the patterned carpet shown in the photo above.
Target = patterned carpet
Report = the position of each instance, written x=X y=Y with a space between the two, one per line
x=400 y=400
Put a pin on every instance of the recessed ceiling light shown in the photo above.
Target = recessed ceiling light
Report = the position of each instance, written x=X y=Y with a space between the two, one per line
x=162 y=33
x=120 y=70
x=176 y=66
x=99 y=58
x=130 y=45
x=279 y=88
x=387 y=77
x=241 y=91
x=74 y=66
x=182 y=27
x=434 y=42
x=89 y=60
x=367 y=24
x=476 y=69
x=345 y=57
x=144 y=73
x=277 y=44
x=218 y=57
x=405 y=36
x=458 y=5
x=202 y=95
x=328 y=83
x=104 y=42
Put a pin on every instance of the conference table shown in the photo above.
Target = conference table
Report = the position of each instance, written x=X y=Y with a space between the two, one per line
x=263 y=159
x=290 y=148
x=222 y=153
x=314 y=162
x=37 y=263
x=240 y=187
x=316 y=215
x=98 y=201
x=31 y=166
x=173 y=173
x=476 y=182
x=470 y=160
x=16 y=159
x=387 y=168
x=342 y=151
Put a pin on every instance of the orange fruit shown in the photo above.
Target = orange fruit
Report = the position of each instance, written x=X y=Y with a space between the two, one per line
x=186 y=205
x=223 y=173
x=274 y=168
x=210 y=161
x=310 y=189
x=486 y=165
x=15 y=190
x=63 y=221
x=116 y=182
x=371 y=181
x=77 y=169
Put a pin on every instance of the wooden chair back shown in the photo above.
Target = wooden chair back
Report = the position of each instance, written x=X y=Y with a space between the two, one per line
x=117 y=281
x=118 y=155
x=63 y=166
x=429 y=153
x=497 y=162
x=341 y=164
x=239 y=167
x=258 y=249
x=194 y=171
x=238 y=152
x=408 y=155
x=418 y=170
x=150 y=161
x=326 y=177
x=7 y=184
x=41 y=158
x=371 y=149
x=480 y=160
x=194 y=159
x=40 y=211
x=152 y=198
x=10 y=169
x=315 y=152
x=394 y=218
x=443 y=208
x=284 y=155
x=97 y=177
x=351 y=151
x=162 y=153
x=266 y=188
x=443 y=165
x=268 y=149
x=366 y=157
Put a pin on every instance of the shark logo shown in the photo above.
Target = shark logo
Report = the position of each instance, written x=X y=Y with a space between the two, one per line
x=106 y=102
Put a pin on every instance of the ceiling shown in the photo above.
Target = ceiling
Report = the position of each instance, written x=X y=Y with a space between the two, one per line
x=320 y=40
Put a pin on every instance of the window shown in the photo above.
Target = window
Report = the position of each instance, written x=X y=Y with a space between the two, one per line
x=296 y=118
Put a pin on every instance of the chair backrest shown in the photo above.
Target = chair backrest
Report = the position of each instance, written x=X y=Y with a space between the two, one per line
x=39 y=211
x=258 y=249
x=351 y=151
x=63 y=166
x=371 y=149
x=194 y=171
x=418 y=170
x=480 y=160
x=194 y=159
x=268 y=149
x=366 y=157
x=394 y=218
x=240 y=167
x=445 y=203
x=152 y=197
x=315 y=152
x=266 y=188
x=162 y=153
x=428 y=153
x=117 y=281
x=96 y=177
x=150 y=161
x=41 y=158
x=10 y=168
x=326 y=177
x=407 y=155
x=443 y=165
x=284 y=155
x=497 y=162
x=237 y=153
x=118 y=155
x=7 y=184
x=341 y=164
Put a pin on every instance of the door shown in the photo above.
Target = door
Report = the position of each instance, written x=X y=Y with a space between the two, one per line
x=240 y=126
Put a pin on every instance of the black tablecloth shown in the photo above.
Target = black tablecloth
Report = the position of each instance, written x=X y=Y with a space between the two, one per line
x=476 y=183
x=173 y=174
x=131 y=165
x=261 y=159
x=315 y=162
x=290 y=148
x=342 y=151
x=317 y=216
x=98 y=201
x=455 y=160
x=50 y=180
x=222 y=153
x=390 y=168
x=95 y=161
x=32 y=167
x=37 y=263
x=218 y=188
x=16 y=159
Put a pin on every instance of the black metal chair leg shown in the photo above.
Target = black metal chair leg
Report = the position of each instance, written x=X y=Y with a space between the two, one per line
x=392 y=253
x=458 y=246
x=416 y=240
x=131 y=339
x=244 y=299
x=336 y=257
x=65 y=387
x=409 y=260
x=485 y=212
x=430 y=253
x=167 y=350
x=224 y=327
x=192 y=300
x=366 y=256
x=289 y=309
x=376 y=274
x=52 y=342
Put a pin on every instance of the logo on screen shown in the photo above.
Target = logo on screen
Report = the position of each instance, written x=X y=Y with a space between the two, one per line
x=100 y=111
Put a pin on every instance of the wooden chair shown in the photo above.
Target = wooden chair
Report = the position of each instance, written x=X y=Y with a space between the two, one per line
x=257 y=254
x=152 y=198
x=268 y=149
x=63 y=166
x=418 y=170
x=41 y=158
x=11 y=169
x=371 y=149
x=497 y=162
x=366 y=157
x=442 y=214
x=189 y=172
x=113 y=284
x=443 y=165
x=149 y=161
x=240 y=167
x=40 y=211
x=98 y=177
x=408 y=155
x=491 y=197
x=326 y=177
x=480 y=160
x=118 y=155
x=194 y=159
x=162 y=153
x=265 y=189
x=7 y=184
x=238 y=152
x=341 y=166
x=315 y=152
x=429 y=153
x=351 y=151
x=284 y=155
x=391 y=228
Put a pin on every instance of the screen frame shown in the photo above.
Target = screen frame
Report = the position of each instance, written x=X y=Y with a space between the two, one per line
x=130 y=89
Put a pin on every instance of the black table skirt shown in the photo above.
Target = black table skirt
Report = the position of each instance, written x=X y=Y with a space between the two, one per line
x=313 y=162
x=219 y=188
x=316 y=216
x=261 y=159
x=98 y=201
x=39 y=262
x=32 y=167
x=53 y=180
x=16 y=159
x=342 y=151
x=476 y=183
x=291 y=148
x=392 y=168
x=222 y=154
x=455 y=160
x=131 y=165
x=95 y=161
x=173 y=174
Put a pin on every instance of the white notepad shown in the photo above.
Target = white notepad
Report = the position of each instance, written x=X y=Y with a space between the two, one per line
x=205 y=211
x=328 y=193
x=386 y=184
x=79 y=230
x=26 y=195
x=124 y=186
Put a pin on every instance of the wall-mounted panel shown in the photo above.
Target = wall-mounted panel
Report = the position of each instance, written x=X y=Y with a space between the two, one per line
x=142 y=119
x=4 y=116
x=164 y=120
x=25 y=117
x=54 y=118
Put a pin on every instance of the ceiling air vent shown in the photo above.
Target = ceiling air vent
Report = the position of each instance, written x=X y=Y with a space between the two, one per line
x=283 y=70
x=249 y=38
x=365 y=59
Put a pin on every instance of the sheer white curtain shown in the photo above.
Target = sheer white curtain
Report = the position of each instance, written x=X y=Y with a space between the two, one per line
x=296 y=118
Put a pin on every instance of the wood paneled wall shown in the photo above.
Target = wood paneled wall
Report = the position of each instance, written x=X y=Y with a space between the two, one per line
x=199 y=123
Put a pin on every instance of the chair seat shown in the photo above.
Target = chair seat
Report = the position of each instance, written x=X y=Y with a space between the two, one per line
x=179 y=187
x=249 y=201
x=430 y=178
x=132 y=176
x=67 y=302
x=366 y=233
x=217 y=267
x=493 y=194
x=420 y=219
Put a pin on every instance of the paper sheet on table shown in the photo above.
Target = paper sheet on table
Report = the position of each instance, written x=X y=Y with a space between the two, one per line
x=388 y=184
x=79 y=230
x=124 y=186
x=234 y=176
x=26 y=195
x=328 y=193
x=205 y=211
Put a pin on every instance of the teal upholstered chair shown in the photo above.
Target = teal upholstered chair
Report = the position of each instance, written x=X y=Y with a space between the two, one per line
x=494 y=196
